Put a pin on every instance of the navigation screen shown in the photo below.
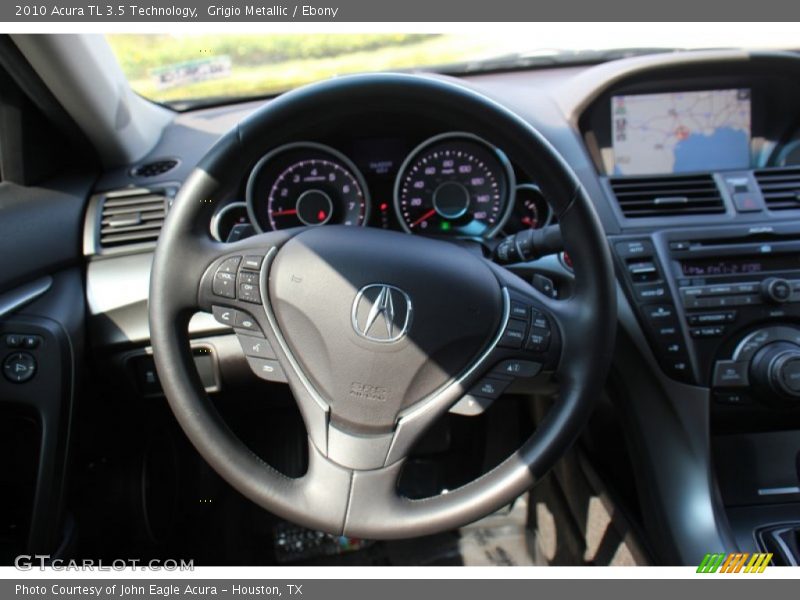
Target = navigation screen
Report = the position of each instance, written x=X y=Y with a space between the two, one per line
x=681 y=131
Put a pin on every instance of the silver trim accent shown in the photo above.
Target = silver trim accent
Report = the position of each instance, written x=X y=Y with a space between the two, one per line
x=318 y=432
x=383 y=305
x=414 y=419
x=25 y=294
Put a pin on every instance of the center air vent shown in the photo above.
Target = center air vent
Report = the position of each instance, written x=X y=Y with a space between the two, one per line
x=155 y=168
x=669 y=196
x=132 y=217
x=780 y=188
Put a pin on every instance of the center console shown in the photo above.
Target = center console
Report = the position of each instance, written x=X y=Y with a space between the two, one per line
x=721 y=308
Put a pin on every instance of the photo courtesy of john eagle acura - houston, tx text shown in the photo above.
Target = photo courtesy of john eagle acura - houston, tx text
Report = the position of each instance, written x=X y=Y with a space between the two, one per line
x=378 y=299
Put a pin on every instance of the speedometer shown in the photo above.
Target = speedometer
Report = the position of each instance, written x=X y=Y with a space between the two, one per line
x=306 y=184
x=455 y=183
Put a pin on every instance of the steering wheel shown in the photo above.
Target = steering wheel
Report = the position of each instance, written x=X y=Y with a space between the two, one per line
x=378 y=332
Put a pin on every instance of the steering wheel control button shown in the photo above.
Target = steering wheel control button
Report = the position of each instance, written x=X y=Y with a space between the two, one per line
x=514 y=335
x=252 y=262
x=245 y=321
x=224 y=284
x=19 y=367
x=539 y=321
x=14 y=340
x=230 y=265
x=538 y=340
x=256 y=346
x=517 y=368
x=729 y=373
x=31 y=342
x=490 y=387
x=266 y=368
x=249 y=293
x=519 y=310
x=226 y=316
x=250 y=277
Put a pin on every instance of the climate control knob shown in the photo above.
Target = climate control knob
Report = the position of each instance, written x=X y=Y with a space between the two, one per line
x=776 y=290
x=775 y=373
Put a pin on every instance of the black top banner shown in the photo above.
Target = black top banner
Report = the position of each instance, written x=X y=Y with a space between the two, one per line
x=423 y=11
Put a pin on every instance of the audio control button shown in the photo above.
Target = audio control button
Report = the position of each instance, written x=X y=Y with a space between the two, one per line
x=729 y=373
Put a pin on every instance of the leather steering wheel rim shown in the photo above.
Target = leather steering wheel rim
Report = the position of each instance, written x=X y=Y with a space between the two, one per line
x=346 y=496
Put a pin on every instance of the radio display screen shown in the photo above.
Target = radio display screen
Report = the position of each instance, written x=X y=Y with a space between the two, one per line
x=678 y=132
x=739 y=265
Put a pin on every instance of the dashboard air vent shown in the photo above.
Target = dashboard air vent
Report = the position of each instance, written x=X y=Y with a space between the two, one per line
x=132 y=216
x=780 y=188
x=669 y=196
x=155 y=168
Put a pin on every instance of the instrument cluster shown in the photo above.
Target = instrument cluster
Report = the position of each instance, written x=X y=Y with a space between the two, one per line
x=451 y=184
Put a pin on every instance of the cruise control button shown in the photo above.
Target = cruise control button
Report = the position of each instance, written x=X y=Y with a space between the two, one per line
x=538 y=340
x=256 y=346
x=250 y=277
x=267 y=369
x=517 y=368
x=230 y=265
x=539 y=320
x=226 y=316
x=249 y=293
x=514 y=334
x=252 y=262
x=730 y=373
x=245 y=321
x=489 y=387
x=19 y=367
x=224 y=284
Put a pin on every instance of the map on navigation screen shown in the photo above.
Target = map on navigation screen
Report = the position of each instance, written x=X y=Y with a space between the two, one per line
x=681 y=131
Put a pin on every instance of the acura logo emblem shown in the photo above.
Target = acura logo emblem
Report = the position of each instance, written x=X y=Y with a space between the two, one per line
x=381 y=313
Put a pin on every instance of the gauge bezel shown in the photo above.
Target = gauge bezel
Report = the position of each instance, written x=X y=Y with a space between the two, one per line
x=217 y=217
x=334 y=154
x=538 y=190
x=505 y=164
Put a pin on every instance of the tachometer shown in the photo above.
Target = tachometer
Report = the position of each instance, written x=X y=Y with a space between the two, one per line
x=306 y=184
x=455 y=183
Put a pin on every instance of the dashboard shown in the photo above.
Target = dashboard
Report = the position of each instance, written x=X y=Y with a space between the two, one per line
x=447 y=184
x=692 y=161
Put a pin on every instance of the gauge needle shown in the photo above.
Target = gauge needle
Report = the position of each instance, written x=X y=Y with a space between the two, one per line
x=281 y=213
x=424 y=217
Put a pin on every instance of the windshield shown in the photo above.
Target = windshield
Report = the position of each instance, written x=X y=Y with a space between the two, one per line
x=184 y=70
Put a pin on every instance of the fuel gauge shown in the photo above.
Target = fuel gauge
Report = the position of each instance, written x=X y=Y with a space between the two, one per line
x=531 y=210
